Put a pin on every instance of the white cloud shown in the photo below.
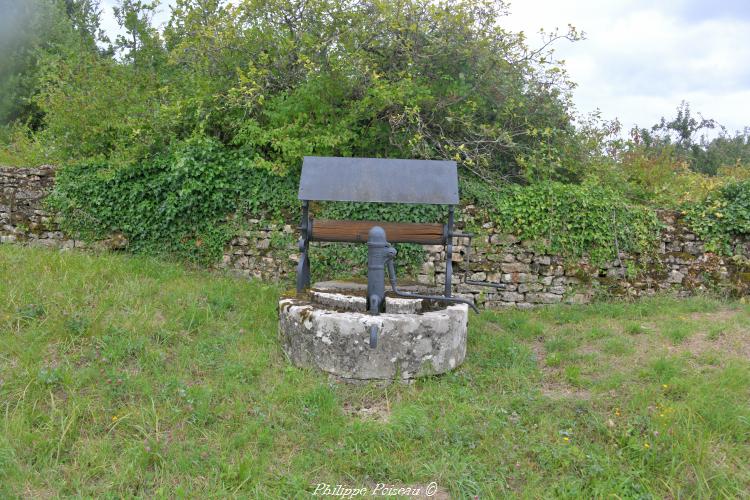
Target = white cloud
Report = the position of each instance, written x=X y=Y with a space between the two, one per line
x=640 y=59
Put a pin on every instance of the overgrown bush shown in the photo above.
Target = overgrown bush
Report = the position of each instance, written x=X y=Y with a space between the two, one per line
x=417 y=79
x=20 y=148
x=722 y=216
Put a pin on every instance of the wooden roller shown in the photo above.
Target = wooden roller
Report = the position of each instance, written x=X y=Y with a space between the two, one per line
x=354 y=231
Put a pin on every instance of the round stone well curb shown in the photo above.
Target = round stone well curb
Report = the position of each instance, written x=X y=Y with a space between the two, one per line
x=330 y=330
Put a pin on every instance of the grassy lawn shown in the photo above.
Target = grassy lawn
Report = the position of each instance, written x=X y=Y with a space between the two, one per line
x=124 y=376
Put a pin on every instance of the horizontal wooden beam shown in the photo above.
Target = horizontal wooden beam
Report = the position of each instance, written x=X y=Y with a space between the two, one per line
x=353 y=231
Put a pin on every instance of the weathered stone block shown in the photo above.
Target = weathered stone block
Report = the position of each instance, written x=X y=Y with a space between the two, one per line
x=517 y=278
x=428 y=267
x=530 y=287
x=675 y=277
x=515 y=267
x=498 y=304
x=511 y=297
x=525 y=257
x=545 y=260
x=494 y=277
x=616 y=272
x=693 y=247
x=543 y=298
x=425 y=279
x=578 y=298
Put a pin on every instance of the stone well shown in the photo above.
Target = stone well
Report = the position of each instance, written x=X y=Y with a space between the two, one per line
x=329 y=329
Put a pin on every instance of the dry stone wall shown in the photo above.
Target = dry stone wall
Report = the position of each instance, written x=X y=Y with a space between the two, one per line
x=263 y=250
x=23 y=218
x=521 y=276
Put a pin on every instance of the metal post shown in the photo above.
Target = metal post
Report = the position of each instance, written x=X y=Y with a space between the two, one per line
x=303 y=266
x=449 y=254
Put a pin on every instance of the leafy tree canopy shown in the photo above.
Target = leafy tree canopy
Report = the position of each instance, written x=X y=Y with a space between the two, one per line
x=277 y=80
x=29 y=31
x=686 y=135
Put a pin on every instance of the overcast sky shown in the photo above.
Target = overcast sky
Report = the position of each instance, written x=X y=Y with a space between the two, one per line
x=640 y=57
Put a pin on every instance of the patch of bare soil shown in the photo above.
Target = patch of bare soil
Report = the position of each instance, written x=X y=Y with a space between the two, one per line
x=722 y=315
x=734 y=343
x=553 y=383
x=379 y=411
x=31 y=491
x=52 y=355
x=557 y=389
x=729 y=346
x=540 y=353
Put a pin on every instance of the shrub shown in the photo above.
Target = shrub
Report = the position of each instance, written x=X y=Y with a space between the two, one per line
x=408 y=79
x=19 y=148
x=723 y=215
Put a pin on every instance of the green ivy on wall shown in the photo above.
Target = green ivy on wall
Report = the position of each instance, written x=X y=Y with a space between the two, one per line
x=190 y=202
x=722 y=216
x=178 y=203
x=568 y=220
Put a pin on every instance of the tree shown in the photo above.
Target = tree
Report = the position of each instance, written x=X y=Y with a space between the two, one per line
x=85 y=17
x=141 y=44
x=726 y=152
x=30 y=31
x=681 y=136
x=280 y=79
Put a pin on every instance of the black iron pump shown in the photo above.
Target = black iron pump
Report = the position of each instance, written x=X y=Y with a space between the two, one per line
x=380 y=254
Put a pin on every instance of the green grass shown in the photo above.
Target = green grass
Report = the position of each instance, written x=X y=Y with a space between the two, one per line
x=633 y=328
x=677 y=330
x=125 y=376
